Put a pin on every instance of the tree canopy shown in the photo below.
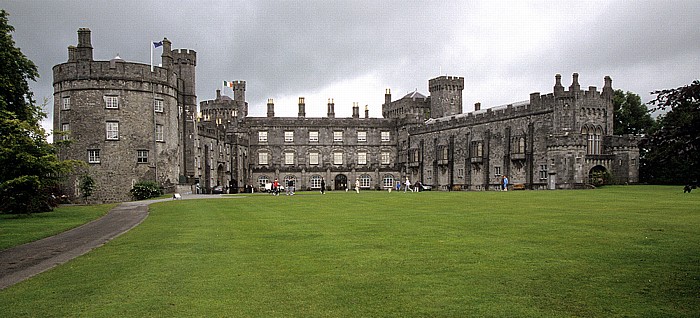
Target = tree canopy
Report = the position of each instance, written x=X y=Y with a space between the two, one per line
x=673 y=148
x=29 y=167
x=631 y=115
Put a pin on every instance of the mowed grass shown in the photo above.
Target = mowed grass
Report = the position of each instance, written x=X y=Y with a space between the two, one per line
x=17 y=229
x=627 y=251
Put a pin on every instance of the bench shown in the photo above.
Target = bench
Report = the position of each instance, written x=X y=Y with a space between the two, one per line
x=177 y=196
x=519 y=186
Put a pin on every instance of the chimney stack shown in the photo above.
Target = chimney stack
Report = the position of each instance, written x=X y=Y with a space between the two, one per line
x=477 y=106
x=270 y=107
x=302 y=107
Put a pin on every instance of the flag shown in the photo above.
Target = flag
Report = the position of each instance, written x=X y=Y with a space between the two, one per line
x=228 y=84
x=157 y=44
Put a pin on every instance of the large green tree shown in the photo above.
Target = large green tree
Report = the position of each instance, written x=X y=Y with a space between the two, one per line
x=29 y=167
x=631 y=115
x=673 y=148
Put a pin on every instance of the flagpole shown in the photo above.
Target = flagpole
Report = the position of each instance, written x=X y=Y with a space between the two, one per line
x=151 y=45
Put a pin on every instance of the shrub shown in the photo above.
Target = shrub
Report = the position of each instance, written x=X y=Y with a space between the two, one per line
x=146 y=190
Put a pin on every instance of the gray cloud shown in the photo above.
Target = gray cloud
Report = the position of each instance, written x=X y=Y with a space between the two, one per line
x=504 y=50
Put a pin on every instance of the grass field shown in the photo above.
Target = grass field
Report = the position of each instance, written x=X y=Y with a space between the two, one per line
x=626 y=251
x=17 y=229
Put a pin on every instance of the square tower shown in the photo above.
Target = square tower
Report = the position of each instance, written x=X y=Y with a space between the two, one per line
x=445 y=96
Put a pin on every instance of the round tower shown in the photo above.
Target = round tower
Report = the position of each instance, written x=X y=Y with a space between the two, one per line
x=121 y=119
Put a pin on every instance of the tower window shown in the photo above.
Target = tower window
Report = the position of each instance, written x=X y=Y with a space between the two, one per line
x=93 y=155
x=111 y=102
x=112 y=128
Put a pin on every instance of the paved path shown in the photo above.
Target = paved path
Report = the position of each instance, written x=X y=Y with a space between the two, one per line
x=24 y=261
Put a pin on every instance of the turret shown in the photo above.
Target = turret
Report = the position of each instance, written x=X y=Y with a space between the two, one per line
x=387 y=97
x=558 y=88
x=239 y=91
x=445 y=96
x=607 y=88
x=270 y=107
x=575 y=87
x=84 y=49
x=167 y=56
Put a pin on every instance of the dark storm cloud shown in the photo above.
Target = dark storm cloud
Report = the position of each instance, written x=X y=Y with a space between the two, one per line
x=505 y=50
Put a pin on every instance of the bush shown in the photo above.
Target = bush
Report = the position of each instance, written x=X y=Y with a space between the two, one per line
x=146 y=190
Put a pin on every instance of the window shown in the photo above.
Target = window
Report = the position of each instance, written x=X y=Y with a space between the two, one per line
x=543 y=172
x=497 y=171
x=460 y=173
x=315 y=182
x=142 y=156
x=111 y=102
x=634 y=161
x=288 y=136
x=262 y=180
x=313 y=158
x=593 y=147
x=386 y=157
x=361 y=136
x=65 y=103
x=386 y=136
x=477 y=149
x=365 y=181
x=65 y=128
x=444 y=152
x=158 y=105
x=262 y=136
x=289 y=158
x=388 y=181
x=521 y=145
x=93 y=155
x=313 y=136
x=159 y=133
x=262 y=158
x=112 y=128
x=337 y=158
x=337 y=136
x=361 y=158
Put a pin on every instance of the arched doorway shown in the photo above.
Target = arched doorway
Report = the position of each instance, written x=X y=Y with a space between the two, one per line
x=341 y=182
x=220 y=175
x=598 y=176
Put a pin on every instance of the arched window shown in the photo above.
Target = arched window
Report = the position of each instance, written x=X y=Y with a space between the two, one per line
x=521 y=145
x=388 y=181
x=597 y=148
x=315 y=182
x=365 y=181
x=262 y=180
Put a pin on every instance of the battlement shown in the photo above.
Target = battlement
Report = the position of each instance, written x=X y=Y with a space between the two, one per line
x=111 y=70
x=184 y=56
x=446 y=83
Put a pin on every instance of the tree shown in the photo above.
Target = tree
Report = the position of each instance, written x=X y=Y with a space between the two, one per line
x=29 y=167
x=87 y=186
x=673 y=148
x=631 y=116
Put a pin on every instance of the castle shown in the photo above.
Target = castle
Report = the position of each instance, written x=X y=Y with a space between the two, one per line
x=133 y=122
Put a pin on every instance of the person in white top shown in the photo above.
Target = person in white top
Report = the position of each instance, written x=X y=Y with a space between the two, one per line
x=357 y=185
x=408 y=185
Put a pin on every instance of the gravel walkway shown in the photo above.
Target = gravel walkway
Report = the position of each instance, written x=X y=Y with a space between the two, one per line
x=24 y=261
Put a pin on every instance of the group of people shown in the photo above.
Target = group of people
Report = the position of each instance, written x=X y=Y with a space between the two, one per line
x=289 y=189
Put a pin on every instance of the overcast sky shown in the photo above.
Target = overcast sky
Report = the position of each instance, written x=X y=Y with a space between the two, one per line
x=353 y=50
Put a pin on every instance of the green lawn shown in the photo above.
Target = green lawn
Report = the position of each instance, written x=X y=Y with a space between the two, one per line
x=17 y=229
x=627 y=251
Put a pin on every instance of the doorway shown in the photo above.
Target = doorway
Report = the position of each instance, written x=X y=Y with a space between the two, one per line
x=341 y=182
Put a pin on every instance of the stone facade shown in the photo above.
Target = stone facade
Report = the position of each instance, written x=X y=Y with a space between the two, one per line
x=559 y=140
